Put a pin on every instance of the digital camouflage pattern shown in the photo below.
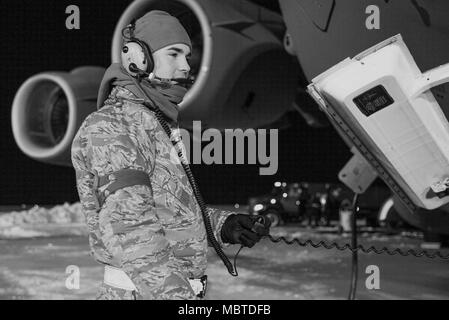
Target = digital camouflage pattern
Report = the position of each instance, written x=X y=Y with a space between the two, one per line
x=156 y=235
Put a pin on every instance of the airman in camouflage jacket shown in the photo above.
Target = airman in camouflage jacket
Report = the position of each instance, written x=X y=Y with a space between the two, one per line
x=155 y=234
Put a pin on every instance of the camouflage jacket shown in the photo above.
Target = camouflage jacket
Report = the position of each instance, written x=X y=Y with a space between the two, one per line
x=156 y=235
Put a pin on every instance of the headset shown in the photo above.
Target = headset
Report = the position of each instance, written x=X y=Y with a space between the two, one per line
x=136 y=54
x=137 y=59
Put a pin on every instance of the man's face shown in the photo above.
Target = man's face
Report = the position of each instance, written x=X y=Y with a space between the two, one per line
x=172 y=61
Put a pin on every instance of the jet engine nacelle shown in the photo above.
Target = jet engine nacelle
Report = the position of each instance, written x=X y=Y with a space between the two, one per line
x=243 y=76
x=49 y=108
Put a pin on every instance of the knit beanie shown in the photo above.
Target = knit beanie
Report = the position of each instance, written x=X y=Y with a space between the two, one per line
x=159 y=29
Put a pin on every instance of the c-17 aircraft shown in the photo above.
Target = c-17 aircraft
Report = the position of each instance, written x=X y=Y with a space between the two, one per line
x=252 y=62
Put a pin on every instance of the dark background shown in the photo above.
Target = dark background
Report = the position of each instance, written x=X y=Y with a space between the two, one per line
x=35 y=40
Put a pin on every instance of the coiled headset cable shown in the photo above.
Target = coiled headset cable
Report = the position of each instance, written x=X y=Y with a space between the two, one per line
x=354 y=248
x=206 y=219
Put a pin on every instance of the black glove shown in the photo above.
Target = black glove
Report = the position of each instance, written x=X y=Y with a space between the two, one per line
x=244 y=229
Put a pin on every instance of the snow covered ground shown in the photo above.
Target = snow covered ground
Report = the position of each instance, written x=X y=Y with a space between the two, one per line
x=39 y=246
x=39 y=221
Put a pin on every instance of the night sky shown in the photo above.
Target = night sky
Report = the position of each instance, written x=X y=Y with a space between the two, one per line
x=36 y=40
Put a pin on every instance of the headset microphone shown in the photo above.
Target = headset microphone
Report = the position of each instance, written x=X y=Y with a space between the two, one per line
x=143 y=74
x=178 y=80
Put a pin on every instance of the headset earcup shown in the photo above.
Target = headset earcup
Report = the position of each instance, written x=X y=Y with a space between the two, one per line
x=135 y=53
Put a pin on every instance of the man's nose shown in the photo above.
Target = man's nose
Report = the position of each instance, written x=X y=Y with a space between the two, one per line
x=184 y=66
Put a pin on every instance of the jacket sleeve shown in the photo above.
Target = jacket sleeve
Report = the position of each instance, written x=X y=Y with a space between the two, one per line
x=217 y=219
x=127 y=225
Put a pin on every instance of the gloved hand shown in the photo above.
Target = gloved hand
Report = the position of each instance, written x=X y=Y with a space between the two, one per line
x=242 y=229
